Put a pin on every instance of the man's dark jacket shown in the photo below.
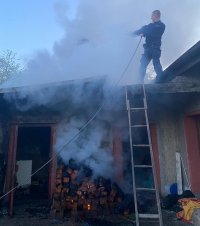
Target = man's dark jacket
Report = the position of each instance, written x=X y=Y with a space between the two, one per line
x=153 y=33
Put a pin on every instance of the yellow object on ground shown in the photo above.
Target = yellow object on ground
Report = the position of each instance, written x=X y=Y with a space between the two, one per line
x=188 y=205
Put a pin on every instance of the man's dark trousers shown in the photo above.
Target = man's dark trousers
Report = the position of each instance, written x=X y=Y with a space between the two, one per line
x=150 y=54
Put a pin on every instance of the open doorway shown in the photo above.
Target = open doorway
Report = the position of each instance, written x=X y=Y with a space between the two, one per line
x=33 y=151
x=30 y=147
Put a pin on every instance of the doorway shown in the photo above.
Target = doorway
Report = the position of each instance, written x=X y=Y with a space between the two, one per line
x=30 y=147
x=33 y=151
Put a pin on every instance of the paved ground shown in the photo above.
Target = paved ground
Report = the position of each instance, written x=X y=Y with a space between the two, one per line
x=26 y=219
x=169 y=219
x=31 y=214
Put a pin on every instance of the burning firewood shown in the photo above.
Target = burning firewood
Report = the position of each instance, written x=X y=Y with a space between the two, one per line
x=76 y=190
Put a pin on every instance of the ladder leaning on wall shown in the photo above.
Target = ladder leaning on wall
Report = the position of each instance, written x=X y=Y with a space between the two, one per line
x=145 y=189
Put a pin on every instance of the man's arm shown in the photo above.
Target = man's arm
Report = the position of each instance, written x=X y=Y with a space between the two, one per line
x=141 y=31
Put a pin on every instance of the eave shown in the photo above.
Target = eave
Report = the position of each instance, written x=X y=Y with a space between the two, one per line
x=189 y=60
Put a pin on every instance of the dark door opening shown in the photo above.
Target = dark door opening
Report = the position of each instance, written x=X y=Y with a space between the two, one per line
x=33 y=150
x=23 y=139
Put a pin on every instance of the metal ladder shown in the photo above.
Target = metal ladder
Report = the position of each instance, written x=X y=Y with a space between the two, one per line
x=144 y=180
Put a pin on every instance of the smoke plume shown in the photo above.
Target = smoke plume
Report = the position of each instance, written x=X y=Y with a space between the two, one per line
x=97 y=42
x=89 y=149
x=96 y=39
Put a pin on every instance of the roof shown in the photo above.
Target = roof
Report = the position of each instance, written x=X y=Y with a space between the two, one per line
x=184 y=64
x=190 y=60
x=54 y=84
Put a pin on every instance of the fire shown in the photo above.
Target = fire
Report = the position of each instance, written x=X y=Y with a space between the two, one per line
x=87 y=194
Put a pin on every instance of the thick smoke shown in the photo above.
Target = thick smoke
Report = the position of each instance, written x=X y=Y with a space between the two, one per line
x=97 y=42
x=89 y=149
x=77 y=93
x=106 y=25
x=96 y=38
x=76 y=103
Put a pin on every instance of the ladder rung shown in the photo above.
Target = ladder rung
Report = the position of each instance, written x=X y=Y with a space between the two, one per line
x=138 y=109
x=143 y=166
x=135 y=124
x=139 y=126
x=146 y=189
x=141 y=145
x=148 y=215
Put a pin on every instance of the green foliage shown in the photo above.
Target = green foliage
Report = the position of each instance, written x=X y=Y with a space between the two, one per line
x=9 y=64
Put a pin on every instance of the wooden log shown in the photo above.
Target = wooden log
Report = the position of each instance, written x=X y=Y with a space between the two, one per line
x=59 y=171
x=102 y=200
x=66 y=179
x=56 y=205
x=81 y=201
x=59 y=188
x=56 y=196
x=87 y=205
x=74 y=174
x=58 y=181
x=104 y=193
x=69 y=171
x=65 y=190
x=59 y=175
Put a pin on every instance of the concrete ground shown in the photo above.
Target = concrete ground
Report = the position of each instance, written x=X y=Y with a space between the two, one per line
x=37 y=214
x=170 y=219
x=27 y=219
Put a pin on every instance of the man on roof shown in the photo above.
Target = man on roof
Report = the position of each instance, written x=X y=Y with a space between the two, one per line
x=152 y=33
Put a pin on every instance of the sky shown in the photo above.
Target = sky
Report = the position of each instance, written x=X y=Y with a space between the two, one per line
x=27 y=26
x=68 y=39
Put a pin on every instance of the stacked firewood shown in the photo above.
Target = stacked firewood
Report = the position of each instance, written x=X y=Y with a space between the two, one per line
x=76 y=191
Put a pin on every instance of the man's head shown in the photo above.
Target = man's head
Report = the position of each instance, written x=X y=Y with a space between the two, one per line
x=155 y=15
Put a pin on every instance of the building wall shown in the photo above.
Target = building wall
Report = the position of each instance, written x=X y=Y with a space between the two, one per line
x=194 y=106
x=192 y=135
x=171 y=136
x=3 y=141
x=167 y=145
x=167 y=114
x=1 y=148
x=1 y=138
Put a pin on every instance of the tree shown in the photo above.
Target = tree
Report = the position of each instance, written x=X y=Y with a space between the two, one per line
x=9 y=64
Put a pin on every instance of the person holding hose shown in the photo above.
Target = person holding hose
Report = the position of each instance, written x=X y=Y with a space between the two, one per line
x=153 y=34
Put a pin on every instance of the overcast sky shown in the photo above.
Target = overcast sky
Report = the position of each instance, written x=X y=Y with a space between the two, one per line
x=69 y=39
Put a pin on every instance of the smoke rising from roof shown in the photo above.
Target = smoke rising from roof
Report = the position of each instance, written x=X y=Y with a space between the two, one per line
x=97 y=41
x=73 y=105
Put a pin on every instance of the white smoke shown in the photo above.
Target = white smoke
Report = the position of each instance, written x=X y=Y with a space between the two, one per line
x=77 y=103
x=89 y=148
x=97 y=42
x=96 y=38
x=78 y=94
x=106 y=25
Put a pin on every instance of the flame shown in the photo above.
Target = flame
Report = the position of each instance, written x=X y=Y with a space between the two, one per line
x=88 y=207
